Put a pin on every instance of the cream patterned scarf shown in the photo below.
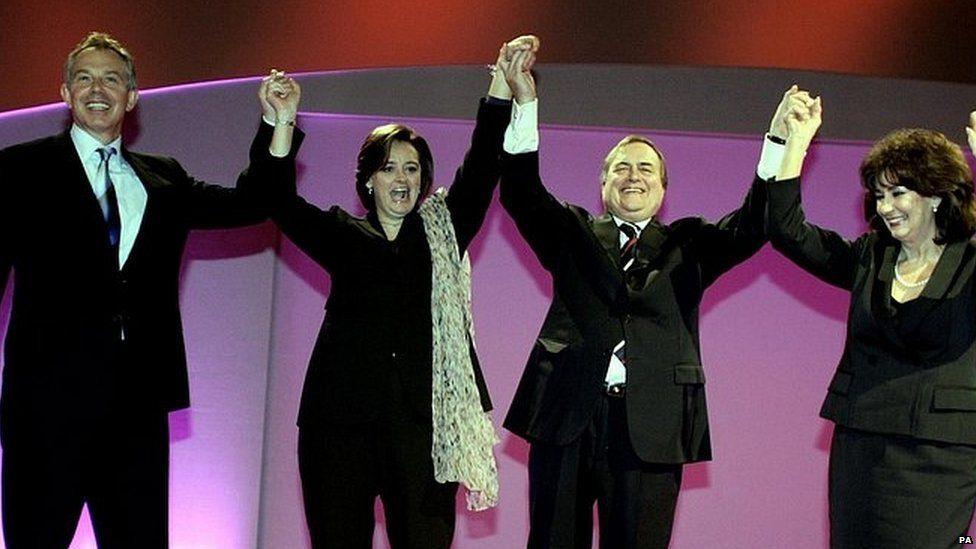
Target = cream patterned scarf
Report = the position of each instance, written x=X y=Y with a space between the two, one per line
x=463 y=432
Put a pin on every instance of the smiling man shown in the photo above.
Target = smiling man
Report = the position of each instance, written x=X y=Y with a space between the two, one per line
x=94 y=356
x=612 y=399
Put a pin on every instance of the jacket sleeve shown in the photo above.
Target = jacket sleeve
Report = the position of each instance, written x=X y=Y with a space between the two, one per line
x=735 y=237
x=474 y=184
x=542 y=220
x=824 y=254
x=208 y=206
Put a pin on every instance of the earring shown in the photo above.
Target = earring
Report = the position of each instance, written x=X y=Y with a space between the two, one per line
x=935 y=208
x=369 y=191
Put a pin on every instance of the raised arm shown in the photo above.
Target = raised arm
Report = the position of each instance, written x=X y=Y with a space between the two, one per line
x=823 y=253
x=315 y=231
x=541 y=219
x=741 y=233
x=272 y=161
x=279 y=96
x=735 y=237
x=474 y=183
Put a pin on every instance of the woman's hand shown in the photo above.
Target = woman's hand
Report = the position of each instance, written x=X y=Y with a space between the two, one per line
x=794 y=99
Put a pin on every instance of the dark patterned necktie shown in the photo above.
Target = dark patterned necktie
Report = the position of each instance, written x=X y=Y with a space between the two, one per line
x=629 y=250
x=628 y=253
x=110 y=201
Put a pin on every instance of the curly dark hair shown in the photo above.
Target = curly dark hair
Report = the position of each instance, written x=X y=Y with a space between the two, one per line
x=375 y=151
x=930 y=164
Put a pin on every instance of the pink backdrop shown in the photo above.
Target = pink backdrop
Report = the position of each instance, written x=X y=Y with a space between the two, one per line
x=252 y=305
x=771 y=334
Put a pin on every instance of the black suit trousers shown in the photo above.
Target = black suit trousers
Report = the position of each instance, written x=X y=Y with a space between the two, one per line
x=344 y=468
x=635 y=500
x=118 y=467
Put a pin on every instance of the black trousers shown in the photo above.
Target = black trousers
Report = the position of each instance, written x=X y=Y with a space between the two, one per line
x=118 y=465
x=635 y=500
x=897 y=491
x=345 y=468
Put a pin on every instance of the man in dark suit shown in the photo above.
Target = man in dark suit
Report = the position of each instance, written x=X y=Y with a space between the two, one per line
x=94 y=356
x=612 y=398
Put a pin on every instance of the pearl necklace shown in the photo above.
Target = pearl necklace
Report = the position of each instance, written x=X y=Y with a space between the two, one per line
x=910 y=285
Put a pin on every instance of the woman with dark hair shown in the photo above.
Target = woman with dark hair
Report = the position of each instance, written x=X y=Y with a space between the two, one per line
x=903 y=398
x=394 y=404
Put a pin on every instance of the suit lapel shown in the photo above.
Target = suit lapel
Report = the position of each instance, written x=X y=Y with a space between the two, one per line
x=604 y=269
x=608 y=235
x=651 y=242
x=73 y=174
x=945 y=273
x=81 y=198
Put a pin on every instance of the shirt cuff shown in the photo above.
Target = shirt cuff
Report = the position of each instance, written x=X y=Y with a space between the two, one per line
x=522 y=133
x=770 y=159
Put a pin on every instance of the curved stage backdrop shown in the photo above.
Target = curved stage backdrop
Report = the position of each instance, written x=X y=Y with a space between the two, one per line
x=253 y=303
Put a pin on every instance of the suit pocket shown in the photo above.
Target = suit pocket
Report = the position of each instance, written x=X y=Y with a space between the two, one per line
x=689 y=374
x=955 y=399
x=546 y=353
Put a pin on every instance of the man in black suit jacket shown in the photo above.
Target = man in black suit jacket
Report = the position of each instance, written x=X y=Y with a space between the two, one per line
x=612 y=398
x=94 y=356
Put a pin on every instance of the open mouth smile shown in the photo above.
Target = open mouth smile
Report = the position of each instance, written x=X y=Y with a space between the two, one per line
x=399 y=194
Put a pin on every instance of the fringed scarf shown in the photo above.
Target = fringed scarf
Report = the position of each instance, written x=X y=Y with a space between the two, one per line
x=463 y=432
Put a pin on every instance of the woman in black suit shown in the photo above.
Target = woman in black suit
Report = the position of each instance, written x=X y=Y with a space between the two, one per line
x=394 y=403
x=903 y=454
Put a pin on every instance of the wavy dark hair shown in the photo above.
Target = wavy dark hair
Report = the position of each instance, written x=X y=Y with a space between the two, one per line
x=375 y=151
x=930 y=164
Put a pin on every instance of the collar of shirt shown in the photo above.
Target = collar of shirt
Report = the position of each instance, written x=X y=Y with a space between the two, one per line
x=86 y=145
x=641 y=225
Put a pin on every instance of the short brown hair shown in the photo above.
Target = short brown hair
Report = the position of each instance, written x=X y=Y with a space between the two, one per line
x=102 y=41
x=930 y=164
x=375 y=151
x=627 y=141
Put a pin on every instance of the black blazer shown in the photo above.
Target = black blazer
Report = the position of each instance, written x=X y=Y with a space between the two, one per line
x=372 y=356
x=593 y=309
x=919 y=380
x=64 y=360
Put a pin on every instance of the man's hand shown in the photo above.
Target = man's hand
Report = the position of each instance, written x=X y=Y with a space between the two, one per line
x=515 y=61
x=279 y=96
x=505 y=83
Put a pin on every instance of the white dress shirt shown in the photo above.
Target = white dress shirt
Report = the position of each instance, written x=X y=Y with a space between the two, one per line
x=522 y=133
x=129 y=191
x=616 y=371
